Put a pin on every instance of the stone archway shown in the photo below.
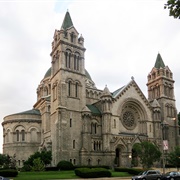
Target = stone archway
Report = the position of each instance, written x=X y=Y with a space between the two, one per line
x=120 y=156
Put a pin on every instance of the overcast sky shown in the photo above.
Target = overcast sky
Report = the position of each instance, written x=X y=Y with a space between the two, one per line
x=122 y=39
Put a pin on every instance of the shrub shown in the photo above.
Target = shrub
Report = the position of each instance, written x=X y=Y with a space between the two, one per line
x=38 y=165
x=8 y=172
x=92 y=172
x=65 y=165
x=26 y=167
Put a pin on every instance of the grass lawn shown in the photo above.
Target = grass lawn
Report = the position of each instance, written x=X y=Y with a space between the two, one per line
x=45 y=175
x=50 y=175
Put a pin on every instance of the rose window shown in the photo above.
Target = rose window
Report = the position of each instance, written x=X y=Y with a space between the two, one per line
x=128 y=119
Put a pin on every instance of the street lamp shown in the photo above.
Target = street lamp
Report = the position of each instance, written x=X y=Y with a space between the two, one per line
x=164 y=143
x=130 y=157
x=164 y=124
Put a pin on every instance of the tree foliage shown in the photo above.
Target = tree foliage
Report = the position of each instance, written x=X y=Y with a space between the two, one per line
x=7 y=161
x=4 y=160
x=38 y=165
x=174 y=8
x=173 y=157
x=179 y=118
x=45 y=157
x=147 y=152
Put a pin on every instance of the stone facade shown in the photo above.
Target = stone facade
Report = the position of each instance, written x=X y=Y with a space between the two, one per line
x=86 y=125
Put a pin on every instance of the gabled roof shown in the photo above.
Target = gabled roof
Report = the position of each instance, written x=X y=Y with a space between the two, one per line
x=117 y=91
x=94 y=109
x=159 y=62
x=155 y=103
x=67 y=23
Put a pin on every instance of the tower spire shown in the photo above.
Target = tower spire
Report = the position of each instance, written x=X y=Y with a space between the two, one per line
x=159 y=62
x=67 y=22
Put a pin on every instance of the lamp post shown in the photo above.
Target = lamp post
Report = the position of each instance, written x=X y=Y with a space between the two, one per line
x=164 y=144
x=130 y=158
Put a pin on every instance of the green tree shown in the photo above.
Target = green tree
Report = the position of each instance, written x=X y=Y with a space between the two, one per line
x=4 y=160
x=38 y=165
x=147 y=152
x=173 y=157
x=174 y=8
x=45 y=156
x=179 y=118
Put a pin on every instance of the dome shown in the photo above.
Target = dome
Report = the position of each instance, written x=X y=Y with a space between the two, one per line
x=30 y=112
x=48 y=73
x=87 y=75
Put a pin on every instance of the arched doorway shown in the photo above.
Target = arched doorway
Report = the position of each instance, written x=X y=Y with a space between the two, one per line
x=120 y=152
x=117 y=158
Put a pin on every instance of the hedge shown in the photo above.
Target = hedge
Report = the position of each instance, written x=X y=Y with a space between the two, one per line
x=8 y=172
x=92 y=172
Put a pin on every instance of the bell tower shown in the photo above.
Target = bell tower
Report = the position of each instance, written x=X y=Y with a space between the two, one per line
x=161 y=87
x=161 y=90
x=68 y=96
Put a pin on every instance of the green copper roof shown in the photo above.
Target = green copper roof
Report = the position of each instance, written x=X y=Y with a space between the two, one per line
x=117 y=91
x=67 y=21
x=94 y=109
x=48 y=73
x=87 y=75
x=159 y=62
x=32 y=112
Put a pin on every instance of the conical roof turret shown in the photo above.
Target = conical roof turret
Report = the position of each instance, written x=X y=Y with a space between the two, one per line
x=159 y=62
x=67 y=22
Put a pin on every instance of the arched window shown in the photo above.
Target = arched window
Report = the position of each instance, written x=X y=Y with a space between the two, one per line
x=75 y=63
x=70 y=122
x=114 y=123
x=76 y=89
x=69 y=88
x=69 y=62
x=23 y=135
x=73 y=144
x=95 y=128
x=66 y=59
x=74 y=161
x=78 y=58
x=94 y=145
x=17 y=135
x=72 y=37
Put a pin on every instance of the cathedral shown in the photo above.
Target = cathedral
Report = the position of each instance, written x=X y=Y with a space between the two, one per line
x=89 y=126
